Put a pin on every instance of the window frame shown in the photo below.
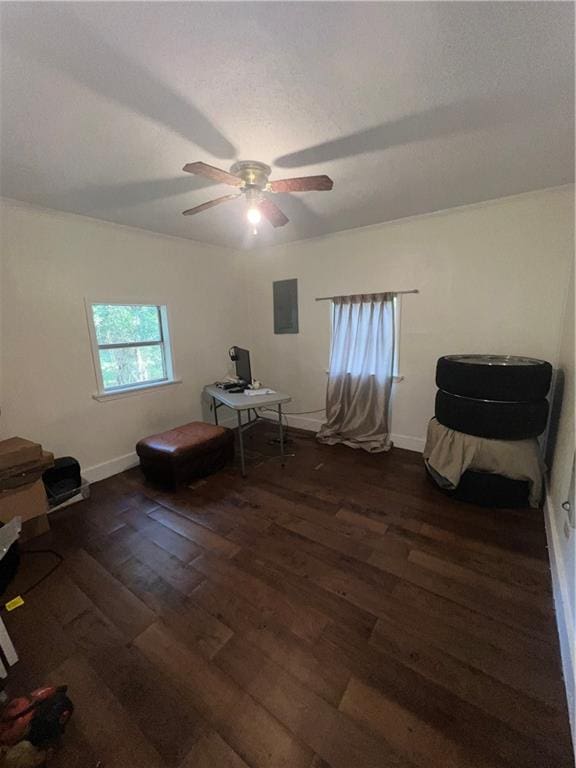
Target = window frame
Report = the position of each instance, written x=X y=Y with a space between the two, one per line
x=165 y=343
x=396 y=377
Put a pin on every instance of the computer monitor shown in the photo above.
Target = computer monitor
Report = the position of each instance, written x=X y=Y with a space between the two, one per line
x=243 y=370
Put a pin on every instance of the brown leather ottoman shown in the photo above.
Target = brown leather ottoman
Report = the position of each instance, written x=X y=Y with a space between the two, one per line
x=181 y=455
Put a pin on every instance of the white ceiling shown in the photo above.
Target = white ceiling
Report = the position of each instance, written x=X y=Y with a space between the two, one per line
x=423 y=106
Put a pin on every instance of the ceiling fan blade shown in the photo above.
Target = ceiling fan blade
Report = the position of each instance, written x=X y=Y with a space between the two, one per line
x=211 y=172
x=209 y=204
x=271 y=211
x=303 y=184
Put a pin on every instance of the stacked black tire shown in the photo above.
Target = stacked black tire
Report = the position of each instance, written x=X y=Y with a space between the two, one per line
x=495 y=397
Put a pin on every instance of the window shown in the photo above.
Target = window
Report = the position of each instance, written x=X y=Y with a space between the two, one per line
x=131 y=345
x=396 y=359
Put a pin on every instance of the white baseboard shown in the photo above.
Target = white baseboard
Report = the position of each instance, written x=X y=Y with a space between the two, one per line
x=409 y=443
x=112 y=467
x=308 y=423
x=400 y=441
x=313 y=423
x=564 y=610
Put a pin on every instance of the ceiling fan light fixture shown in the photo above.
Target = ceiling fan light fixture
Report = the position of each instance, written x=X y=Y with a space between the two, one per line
x=254 y=216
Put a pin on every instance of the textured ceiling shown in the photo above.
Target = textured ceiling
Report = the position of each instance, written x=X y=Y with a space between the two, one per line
x=409 y=107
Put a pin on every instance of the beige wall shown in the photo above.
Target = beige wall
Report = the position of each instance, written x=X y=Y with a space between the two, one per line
x=562 y=536
x=51 y=262
x=491 y=278
x=564 y=444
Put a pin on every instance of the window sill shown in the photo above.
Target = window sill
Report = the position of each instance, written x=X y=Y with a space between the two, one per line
x=118 y=394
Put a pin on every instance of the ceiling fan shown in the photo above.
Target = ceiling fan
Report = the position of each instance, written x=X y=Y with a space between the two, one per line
x=250 y=177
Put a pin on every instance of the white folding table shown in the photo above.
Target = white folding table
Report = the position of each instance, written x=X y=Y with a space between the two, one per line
x=239 y=402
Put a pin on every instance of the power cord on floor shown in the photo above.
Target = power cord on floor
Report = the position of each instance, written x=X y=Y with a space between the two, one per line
x=293 y=413
x=18 y=601
x=287 y=438
x=271 y=421
x=288 y=413
x=304 y=413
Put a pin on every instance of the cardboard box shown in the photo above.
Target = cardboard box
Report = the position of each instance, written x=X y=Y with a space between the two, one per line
x=36 y=526
x=28 y=501
x=17 y=450
x=26 y=474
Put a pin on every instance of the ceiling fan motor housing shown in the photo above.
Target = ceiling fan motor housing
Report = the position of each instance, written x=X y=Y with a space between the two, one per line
x=253 y=173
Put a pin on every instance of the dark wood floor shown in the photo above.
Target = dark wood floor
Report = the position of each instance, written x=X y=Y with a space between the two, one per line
x=339 y=612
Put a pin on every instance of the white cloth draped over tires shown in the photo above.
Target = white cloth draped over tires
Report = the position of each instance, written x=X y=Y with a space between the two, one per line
x=361 y=371
x=448 y=454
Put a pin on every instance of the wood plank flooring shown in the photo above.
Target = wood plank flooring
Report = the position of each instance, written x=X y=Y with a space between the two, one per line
x=336 y=613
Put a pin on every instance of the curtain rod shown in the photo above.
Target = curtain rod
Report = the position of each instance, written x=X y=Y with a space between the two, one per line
x=372 y=293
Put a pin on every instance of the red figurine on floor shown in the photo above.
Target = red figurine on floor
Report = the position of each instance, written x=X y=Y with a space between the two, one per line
x=31 y=725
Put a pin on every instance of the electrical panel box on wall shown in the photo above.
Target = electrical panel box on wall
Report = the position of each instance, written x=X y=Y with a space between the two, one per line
x=285 y=306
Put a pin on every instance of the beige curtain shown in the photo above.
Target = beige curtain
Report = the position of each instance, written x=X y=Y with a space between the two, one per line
x=361 y=370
